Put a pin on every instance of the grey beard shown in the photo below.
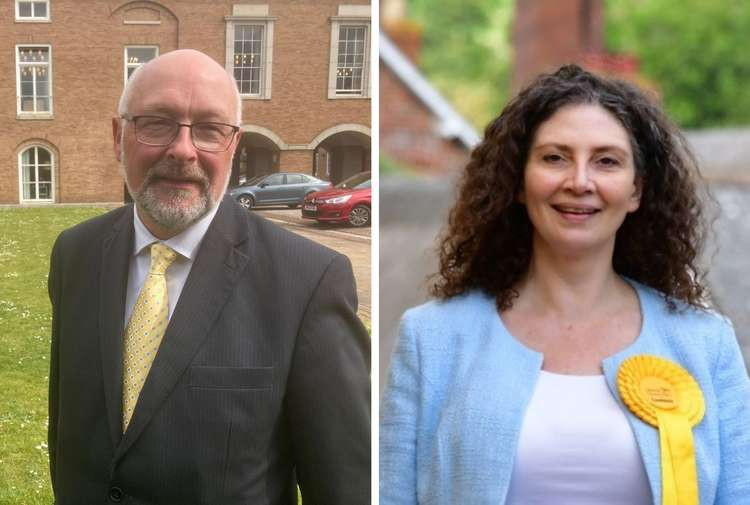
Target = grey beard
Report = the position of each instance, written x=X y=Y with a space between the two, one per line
x=175 y=212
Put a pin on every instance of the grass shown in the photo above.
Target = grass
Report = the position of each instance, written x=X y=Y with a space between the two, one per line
x=26 y=238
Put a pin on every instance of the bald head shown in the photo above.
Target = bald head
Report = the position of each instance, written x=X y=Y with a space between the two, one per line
x=186 y=65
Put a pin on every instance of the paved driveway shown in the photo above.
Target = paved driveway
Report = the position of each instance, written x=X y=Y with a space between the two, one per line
x=352 y=242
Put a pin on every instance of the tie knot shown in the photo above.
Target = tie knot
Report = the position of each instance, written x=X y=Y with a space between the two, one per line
x=161 y=257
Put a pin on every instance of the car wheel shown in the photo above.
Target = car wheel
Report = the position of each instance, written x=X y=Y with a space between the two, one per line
x=246 y=201
x=293 y=205
x=359 y=215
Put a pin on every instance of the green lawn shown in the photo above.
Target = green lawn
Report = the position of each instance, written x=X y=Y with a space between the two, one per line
x=26 y=238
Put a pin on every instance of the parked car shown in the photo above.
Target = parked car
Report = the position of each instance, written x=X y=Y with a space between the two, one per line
x=281 y=188
x=348 y=201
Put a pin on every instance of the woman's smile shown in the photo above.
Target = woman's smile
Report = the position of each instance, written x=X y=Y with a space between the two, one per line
x=576 y=213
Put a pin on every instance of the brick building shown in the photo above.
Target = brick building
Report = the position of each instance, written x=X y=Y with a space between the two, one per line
x=302 y=66
x=418 y=126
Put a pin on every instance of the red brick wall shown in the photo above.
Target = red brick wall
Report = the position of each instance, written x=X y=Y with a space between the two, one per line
x=87 y=39
x=296 y=161
x=547 y=34
x=408 y=130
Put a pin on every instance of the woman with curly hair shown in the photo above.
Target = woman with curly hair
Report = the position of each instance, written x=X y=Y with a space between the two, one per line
x=570 y=356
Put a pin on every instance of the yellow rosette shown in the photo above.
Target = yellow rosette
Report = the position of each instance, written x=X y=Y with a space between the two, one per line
x=666 y=396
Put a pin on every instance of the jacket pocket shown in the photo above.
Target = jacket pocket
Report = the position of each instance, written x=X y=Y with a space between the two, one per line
x=219 y=377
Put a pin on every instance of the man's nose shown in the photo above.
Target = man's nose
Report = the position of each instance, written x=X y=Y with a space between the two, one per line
x=182 y=147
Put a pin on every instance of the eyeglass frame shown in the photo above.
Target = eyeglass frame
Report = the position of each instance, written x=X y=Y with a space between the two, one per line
x=133 y=119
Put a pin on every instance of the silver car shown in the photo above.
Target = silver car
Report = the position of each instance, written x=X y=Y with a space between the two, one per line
x=282 y=188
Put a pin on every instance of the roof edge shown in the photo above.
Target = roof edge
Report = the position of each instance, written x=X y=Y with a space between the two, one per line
x=452 y=124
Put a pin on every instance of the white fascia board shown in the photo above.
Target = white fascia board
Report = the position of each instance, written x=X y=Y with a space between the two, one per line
x=452 y=124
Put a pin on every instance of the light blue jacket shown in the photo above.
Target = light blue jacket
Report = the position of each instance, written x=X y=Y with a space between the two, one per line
x=459 y=385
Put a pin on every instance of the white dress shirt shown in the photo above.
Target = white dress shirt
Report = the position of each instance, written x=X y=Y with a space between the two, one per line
x=185 y=244
x=576 y=447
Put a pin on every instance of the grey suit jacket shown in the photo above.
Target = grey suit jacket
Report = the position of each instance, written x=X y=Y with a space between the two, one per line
x=261 y=381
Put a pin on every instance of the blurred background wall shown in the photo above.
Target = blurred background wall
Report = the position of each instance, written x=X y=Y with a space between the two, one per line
x=447 y=67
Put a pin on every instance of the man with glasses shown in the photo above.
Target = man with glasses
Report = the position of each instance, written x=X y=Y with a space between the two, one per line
x=200 y=354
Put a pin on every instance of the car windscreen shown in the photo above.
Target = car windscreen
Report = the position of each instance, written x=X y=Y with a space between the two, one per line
x=253 y=181
x=354 y=181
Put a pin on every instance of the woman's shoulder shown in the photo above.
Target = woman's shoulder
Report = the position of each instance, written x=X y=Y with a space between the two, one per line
x=447 y=330
x=679 y=315
x=459 y=341
x=698 y=335
x=445 y=315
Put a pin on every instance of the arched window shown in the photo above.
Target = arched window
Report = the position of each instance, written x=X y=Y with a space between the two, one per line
x=36 y=167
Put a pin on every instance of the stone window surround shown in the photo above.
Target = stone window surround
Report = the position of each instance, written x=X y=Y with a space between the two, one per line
x=252 y=14
x=356 y=15
x=125 y=63
x=32 y=19
x=26 y=114
x=53 y=166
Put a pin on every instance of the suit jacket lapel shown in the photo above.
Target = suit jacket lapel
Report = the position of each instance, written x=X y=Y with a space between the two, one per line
x=113 y=283
x=209 y=284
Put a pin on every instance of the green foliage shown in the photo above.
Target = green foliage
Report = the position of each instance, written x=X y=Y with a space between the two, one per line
x=26 y=237
x=466 y=52
x=694 y=50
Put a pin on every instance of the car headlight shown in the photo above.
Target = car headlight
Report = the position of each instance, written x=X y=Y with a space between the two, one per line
x=339 y=199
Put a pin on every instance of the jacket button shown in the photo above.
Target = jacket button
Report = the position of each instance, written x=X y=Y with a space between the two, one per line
x=115 y=494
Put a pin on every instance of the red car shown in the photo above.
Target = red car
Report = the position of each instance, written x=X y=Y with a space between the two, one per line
x=348 y=201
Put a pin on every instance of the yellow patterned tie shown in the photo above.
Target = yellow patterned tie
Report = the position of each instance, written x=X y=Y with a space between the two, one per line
x=145 y=329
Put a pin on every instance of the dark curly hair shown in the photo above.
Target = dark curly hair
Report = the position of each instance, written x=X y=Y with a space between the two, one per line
x=487 y=243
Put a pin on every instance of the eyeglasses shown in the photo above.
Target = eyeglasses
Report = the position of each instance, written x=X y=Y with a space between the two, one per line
x=161 y=131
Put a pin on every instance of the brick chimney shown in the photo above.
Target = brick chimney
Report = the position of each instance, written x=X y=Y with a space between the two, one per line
x=406 y=34
x=549 y=33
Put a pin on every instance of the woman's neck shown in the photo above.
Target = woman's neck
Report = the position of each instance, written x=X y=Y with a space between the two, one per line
x=570 y=286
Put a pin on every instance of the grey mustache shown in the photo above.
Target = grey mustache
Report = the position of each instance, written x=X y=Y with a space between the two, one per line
x=175 y=171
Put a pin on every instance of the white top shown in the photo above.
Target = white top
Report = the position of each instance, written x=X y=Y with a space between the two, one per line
x=185 y=244
x=576 y=447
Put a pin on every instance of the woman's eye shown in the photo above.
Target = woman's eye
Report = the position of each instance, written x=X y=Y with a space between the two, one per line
x=552 y=158
x=608 y=162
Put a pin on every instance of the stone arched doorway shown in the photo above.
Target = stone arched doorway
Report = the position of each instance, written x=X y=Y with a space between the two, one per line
x=256 y=154
x=341 y=152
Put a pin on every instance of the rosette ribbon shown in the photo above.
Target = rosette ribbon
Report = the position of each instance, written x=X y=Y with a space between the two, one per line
x=666 y=396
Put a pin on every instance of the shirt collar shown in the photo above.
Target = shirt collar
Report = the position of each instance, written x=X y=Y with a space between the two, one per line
x=185 y=243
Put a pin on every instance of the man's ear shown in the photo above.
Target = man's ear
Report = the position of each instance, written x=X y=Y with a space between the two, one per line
x=235 y=143
x=117 y=136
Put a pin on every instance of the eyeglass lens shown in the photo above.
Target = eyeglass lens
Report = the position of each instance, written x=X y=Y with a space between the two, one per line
x=162 y=131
